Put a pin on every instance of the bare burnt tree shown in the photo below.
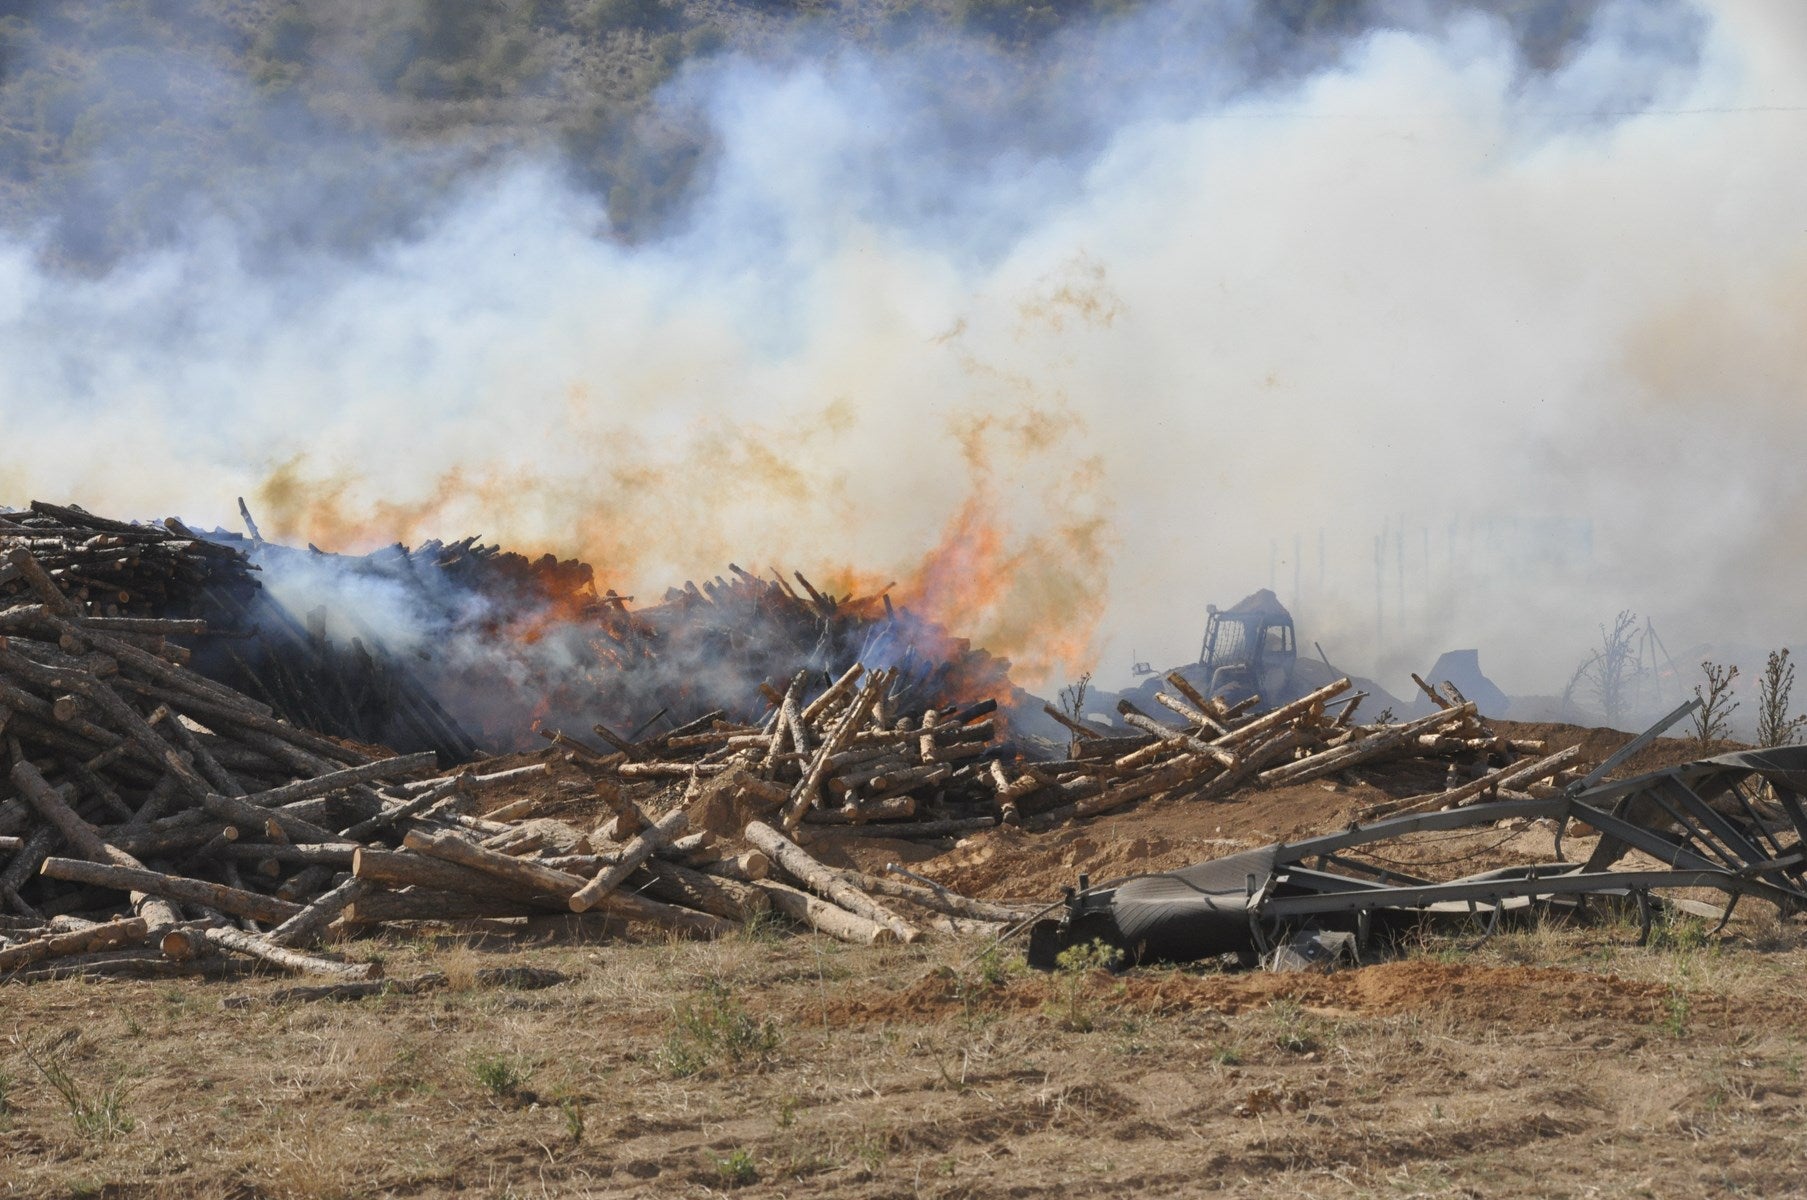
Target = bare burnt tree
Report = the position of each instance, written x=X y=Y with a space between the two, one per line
x=1072 y=697
x=1774 y=726
x=1712 y=720
x=1612 y=673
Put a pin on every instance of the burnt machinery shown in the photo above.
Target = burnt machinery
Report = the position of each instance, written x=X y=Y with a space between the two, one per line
x=1734 y=824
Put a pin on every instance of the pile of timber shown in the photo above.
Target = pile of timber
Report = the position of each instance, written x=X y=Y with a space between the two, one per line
x=154 y=822
x=1215 y=751
x=119 y=570
x=852 y=753
x=204 y=596
x=701 y=652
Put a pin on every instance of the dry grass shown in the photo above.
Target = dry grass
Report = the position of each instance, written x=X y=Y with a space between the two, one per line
x=828 y=1071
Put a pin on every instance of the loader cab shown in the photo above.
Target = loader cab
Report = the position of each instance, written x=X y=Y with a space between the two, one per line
x=1249 y=650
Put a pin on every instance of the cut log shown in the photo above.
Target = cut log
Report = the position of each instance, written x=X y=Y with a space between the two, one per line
x=254 y=819
x=809 y=788
x=889 y=808
x=1285 y=713
x=306 y=926
x=950 y=827
x=240 y=942
x=49 y=802
x=320 y=785
x=458 y=785
x=824 y=917
x=1506 y=778
x=1387 y=739
x=814 y=711
x=1079 y=728
x=529 y=877
x=749 y=866
x=938 y=898
x=107 y=936
x=232 y=900
x=1174 y=737
x=632 y=855
x=797 y=862
x=378 y=907
x=674 y=884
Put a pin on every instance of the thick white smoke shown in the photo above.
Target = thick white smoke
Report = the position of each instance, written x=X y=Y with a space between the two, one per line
x=1450 y=352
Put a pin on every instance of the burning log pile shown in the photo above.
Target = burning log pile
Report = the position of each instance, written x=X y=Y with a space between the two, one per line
x=154 y=820
x=522 y=642
x=712 y=651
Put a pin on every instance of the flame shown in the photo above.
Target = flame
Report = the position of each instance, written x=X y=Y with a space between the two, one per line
x=1035 y=599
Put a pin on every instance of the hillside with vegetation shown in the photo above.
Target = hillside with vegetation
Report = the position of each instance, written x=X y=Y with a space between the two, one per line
x=330 y=123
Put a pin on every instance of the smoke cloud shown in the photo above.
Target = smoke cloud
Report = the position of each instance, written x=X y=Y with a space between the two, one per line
x=1449 y=349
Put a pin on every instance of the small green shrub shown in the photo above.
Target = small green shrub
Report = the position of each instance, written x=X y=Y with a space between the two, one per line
x=715 y=1029
x=737 y=1169
x=1675 y=1013
x=1075 y=964
x=1678 y=932
x=499 y=1074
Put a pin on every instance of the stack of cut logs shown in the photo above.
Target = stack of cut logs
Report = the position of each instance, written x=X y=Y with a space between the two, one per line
x=207 y=600
x=117 y=569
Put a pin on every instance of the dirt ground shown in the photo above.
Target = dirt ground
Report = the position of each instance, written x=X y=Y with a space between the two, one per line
x=1551 y=1060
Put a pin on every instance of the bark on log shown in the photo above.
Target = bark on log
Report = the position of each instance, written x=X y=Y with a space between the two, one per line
x=1387 y=739
x=1174 y=737
x=814 y=710
x=81 y=836
x=478 y=784
x=950 y=827
x=1285 y=713
x=1506 y=777
x=258 y=820
x=889 y=808
x=1140 y=786
x=673 y=884
x=749 y=866
x=320 y=785
x=426 y=904
x=809 y=789
x=1191 y=712
x=456 y=786
x=939 y=898
x=1077 y=727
